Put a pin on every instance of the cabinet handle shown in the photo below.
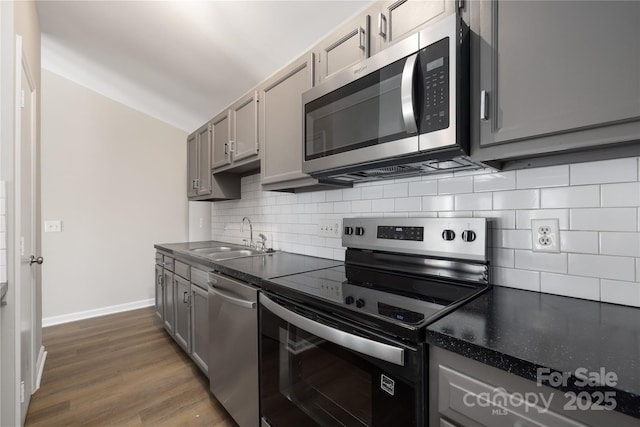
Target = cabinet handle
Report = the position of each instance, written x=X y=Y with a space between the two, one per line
x=232 y=146
x=185 y=297
x=361 y=38
x=161 y=280
x=226 y=148
x=196 y=183
x=484 y=105
x=382 y=28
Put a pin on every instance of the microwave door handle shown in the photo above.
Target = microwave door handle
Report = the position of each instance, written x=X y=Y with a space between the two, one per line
x=406 y=94
x=375 y=349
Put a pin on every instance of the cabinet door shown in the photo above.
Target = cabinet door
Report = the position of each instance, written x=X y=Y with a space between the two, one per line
x=199 y=327
x=159 y=292
x=281 y=122
x=192 y=165
x=244 y=133
x=550 y=69
x=347 y=46
x=169 y=298
x=221 y=129
x=181 y=327
x=398 y=19
x=204 y=160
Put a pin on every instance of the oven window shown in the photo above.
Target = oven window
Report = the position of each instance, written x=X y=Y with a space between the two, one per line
x=307 y=381
x=326 y=382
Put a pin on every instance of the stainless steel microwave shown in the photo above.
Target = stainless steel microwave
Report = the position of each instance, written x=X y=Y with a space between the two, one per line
x=401 y=112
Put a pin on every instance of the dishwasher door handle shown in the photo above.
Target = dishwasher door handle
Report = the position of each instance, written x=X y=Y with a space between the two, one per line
x=375 y=349
x=231 y=299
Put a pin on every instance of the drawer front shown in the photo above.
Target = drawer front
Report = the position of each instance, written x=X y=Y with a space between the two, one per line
x=200 y=278
x=182 y=269
x=168 y=263
x=470 y=402
x=159 y=258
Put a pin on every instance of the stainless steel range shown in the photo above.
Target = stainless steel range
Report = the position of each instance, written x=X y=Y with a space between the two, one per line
x=344 y=346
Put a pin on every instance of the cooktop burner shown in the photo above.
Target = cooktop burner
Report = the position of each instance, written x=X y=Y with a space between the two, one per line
x=395 y=278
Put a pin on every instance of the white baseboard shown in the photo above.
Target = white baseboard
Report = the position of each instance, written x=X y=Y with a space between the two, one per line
x=72 y=317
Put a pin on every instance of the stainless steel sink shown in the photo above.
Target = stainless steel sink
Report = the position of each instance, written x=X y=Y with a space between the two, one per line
x=219 y=253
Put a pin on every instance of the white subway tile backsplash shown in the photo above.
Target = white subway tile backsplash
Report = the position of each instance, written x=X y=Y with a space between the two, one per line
x=437 y=203
x=586 y=196
x=618 y=170
x=571 y=286
x=524 y=217
x=503 y=257
x=514 y=239
x=463 y=184
x=617 y=292
x=396 y=190
x=372 y=192
x=498 y=219
x=540 y=261
x=517 y=199
x=383 y=205
x=423 y=188
x=408 y=204
x=520 y=279
x=621 y=195
x=582 y=242
x=603 y=219
x=495 y=181
x=602 y=266
x=361 y=206
x=624 y=244
x=476 y=202
x=553 y=176
x=597 y=205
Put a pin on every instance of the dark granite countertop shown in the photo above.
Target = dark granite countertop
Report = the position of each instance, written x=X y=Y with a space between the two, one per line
x=520 y=331
x=252 y=269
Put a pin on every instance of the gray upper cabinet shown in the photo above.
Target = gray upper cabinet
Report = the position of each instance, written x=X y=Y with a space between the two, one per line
x=281 y=126
x=398 y=19
x=554 y=76
x=345 y=47
x=221 y=130
x=199 y=162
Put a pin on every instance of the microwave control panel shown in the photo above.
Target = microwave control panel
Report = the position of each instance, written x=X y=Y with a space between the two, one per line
x=435 y=99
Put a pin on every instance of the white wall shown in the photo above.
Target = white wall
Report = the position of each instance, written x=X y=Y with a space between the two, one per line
x=597 y=205
x=115 y=177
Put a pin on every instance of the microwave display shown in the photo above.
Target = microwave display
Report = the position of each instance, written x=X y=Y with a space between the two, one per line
x=435 y=87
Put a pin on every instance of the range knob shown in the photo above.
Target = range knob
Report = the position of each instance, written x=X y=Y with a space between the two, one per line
x=359 y=303
x=348 y=300
x=348 y=231
x=468 y=235
x=359 y=231
x=448 y=235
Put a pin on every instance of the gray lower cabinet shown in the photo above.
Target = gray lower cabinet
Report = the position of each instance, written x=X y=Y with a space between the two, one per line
x=463 y=392
x=554 y=76
x=168 y=300
x=199 y=326
x=159 y=303
x=344 y=47
x=183 y=318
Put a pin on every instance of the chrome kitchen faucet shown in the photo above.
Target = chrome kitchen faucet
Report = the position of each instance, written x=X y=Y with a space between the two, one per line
x=250 y=230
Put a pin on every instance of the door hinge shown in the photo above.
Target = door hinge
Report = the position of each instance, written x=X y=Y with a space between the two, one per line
x=21 y=98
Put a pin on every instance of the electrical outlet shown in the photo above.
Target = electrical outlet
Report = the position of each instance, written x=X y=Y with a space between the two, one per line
x=330 y=228
x=54 y=226
x=545 y=235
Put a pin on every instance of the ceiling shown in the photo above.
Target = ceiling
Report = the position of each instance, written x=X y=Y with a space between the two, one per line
x=181 y=61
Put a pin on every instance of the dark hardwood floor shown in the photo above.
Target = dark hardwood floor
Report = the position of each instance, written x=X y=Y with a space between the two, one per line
x=121 y=370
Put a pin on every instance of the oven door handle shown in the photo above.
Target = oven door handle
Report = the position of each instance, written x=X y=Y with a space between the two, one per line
x=375 y=349
x=406 y=94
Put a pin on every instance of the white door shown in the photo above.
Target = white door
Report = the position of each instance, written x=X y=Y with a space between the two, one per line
x=25 y=222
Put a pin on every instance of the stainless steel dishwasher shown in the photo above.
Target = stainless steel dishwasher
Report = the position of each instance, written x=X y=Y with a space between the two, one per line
x=233 y=348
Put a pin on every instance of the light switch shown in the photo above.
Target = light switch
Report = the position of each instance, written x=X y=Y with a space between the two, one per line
x=54 y=226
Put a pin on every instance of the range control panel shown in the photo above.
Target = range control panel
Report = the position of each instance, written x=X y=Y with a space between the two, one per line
x=449 y=237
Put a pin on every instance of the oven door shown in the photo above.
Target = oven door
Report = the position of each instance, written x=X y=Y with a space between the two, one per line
x=317 y=370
